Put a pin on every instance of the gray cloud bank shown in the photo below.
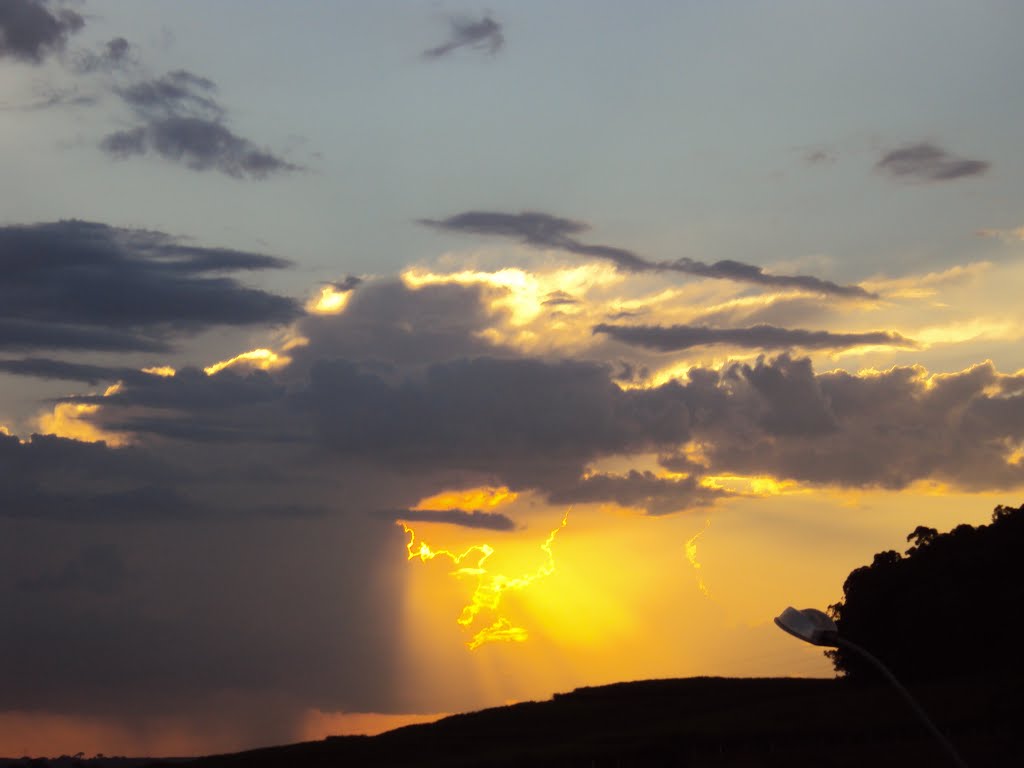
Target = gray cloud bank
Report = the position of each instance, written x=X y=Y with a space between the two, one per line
x=88 y=286
x=679 y=337
x=542 y=230
x=927 y=162
x=483 y=33
x=30 y=30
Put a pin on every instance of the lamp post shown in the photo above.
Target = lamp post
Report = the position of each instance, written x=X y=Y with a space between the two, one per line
x=815 y=627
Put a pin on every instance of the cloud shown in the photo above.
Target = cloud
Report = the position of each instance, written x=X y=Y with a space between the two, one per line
x=30 y=30
x=1009 y=235
x=45 y=368
x=483 y=33
x=678 y=337
x=183 y=122
x=819 y=156
x=927 y=162
x=655 y=495
x=116 y=54
x=542 y=230
x=492 y=521
x=85 y=285
x=886 y=429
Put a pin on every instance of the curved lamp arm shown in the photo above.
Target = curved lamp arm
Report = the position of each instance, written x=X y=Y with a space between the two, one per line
x=815 y=627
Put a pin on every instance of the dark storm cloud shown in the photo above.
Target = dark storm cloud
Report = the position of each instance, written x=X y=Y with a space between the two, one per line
x=529 y=422
x=542 y=230
x=491 y=521
x=656 y=495
x=84 y=285
x=45 y=368
x=29 y=335
x=398 y=327
x=55 y=479
x=133 y=505
x=97 y=568
x=927 y=162
x=182 y=121
x=678 y=337
x=30 y=30
x=483 y=33
x=884 y=430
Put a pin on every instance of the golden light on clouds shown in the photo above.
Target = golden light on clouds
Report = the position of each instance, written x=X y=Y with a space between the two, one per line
x=484 y=497
x=758 y=485
x=260 y=359
x=160 y=370
x=490 y=586
x=535 y=310
x=969 y=330
x=71 y=420
x=329 y=301
x=924 y=286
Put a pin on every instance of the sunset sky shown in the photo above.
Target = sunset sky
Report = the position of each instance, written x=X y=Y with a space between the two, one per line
x=366 y=361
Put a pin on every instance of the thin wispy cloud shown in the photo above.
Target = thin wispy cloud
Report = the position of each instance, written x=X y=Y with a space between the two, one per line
x=542 y=230
x=927 y=162
x=1009 y=235
x=482 y=33
x=675 y=338
x=491 y=521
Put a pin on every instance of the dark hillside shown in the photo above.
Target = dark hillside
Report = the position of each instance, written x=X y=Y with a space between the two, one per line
x=690 y=722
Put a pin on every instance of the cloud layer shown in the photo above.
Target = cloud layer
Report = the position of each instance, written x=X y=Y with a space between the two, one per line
x=84 y=285
x=542 y=230
x=679 y=337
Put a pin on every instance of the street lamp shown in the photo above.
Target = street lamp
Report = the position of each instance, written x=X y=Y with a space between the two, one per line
x=815 y=627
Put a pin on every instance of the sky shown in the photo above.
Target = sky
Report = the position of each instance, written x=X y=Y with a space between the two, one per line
x=366 y=362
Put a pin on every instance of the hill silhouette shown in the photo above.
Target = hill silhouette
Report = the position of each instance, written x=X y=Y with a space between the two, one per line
x=688 y=722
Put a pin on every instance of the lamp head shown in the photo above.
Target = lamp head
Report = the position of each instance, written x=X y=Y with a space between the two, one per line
x=810 y=625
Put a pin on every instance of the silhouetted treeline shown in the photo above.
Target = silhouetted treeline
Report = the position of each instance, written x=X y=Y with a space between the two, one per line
x=941 y=610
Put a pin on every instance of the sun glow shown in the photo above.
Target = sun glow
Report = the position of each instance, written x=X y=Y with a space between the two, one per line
x=758 y=485
x=330 y=301
x=489 y=586
x=484 y=497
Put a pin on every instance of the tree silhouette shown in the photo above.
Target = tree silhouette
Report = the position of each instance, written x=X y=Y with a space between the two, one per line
x=942 y=609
